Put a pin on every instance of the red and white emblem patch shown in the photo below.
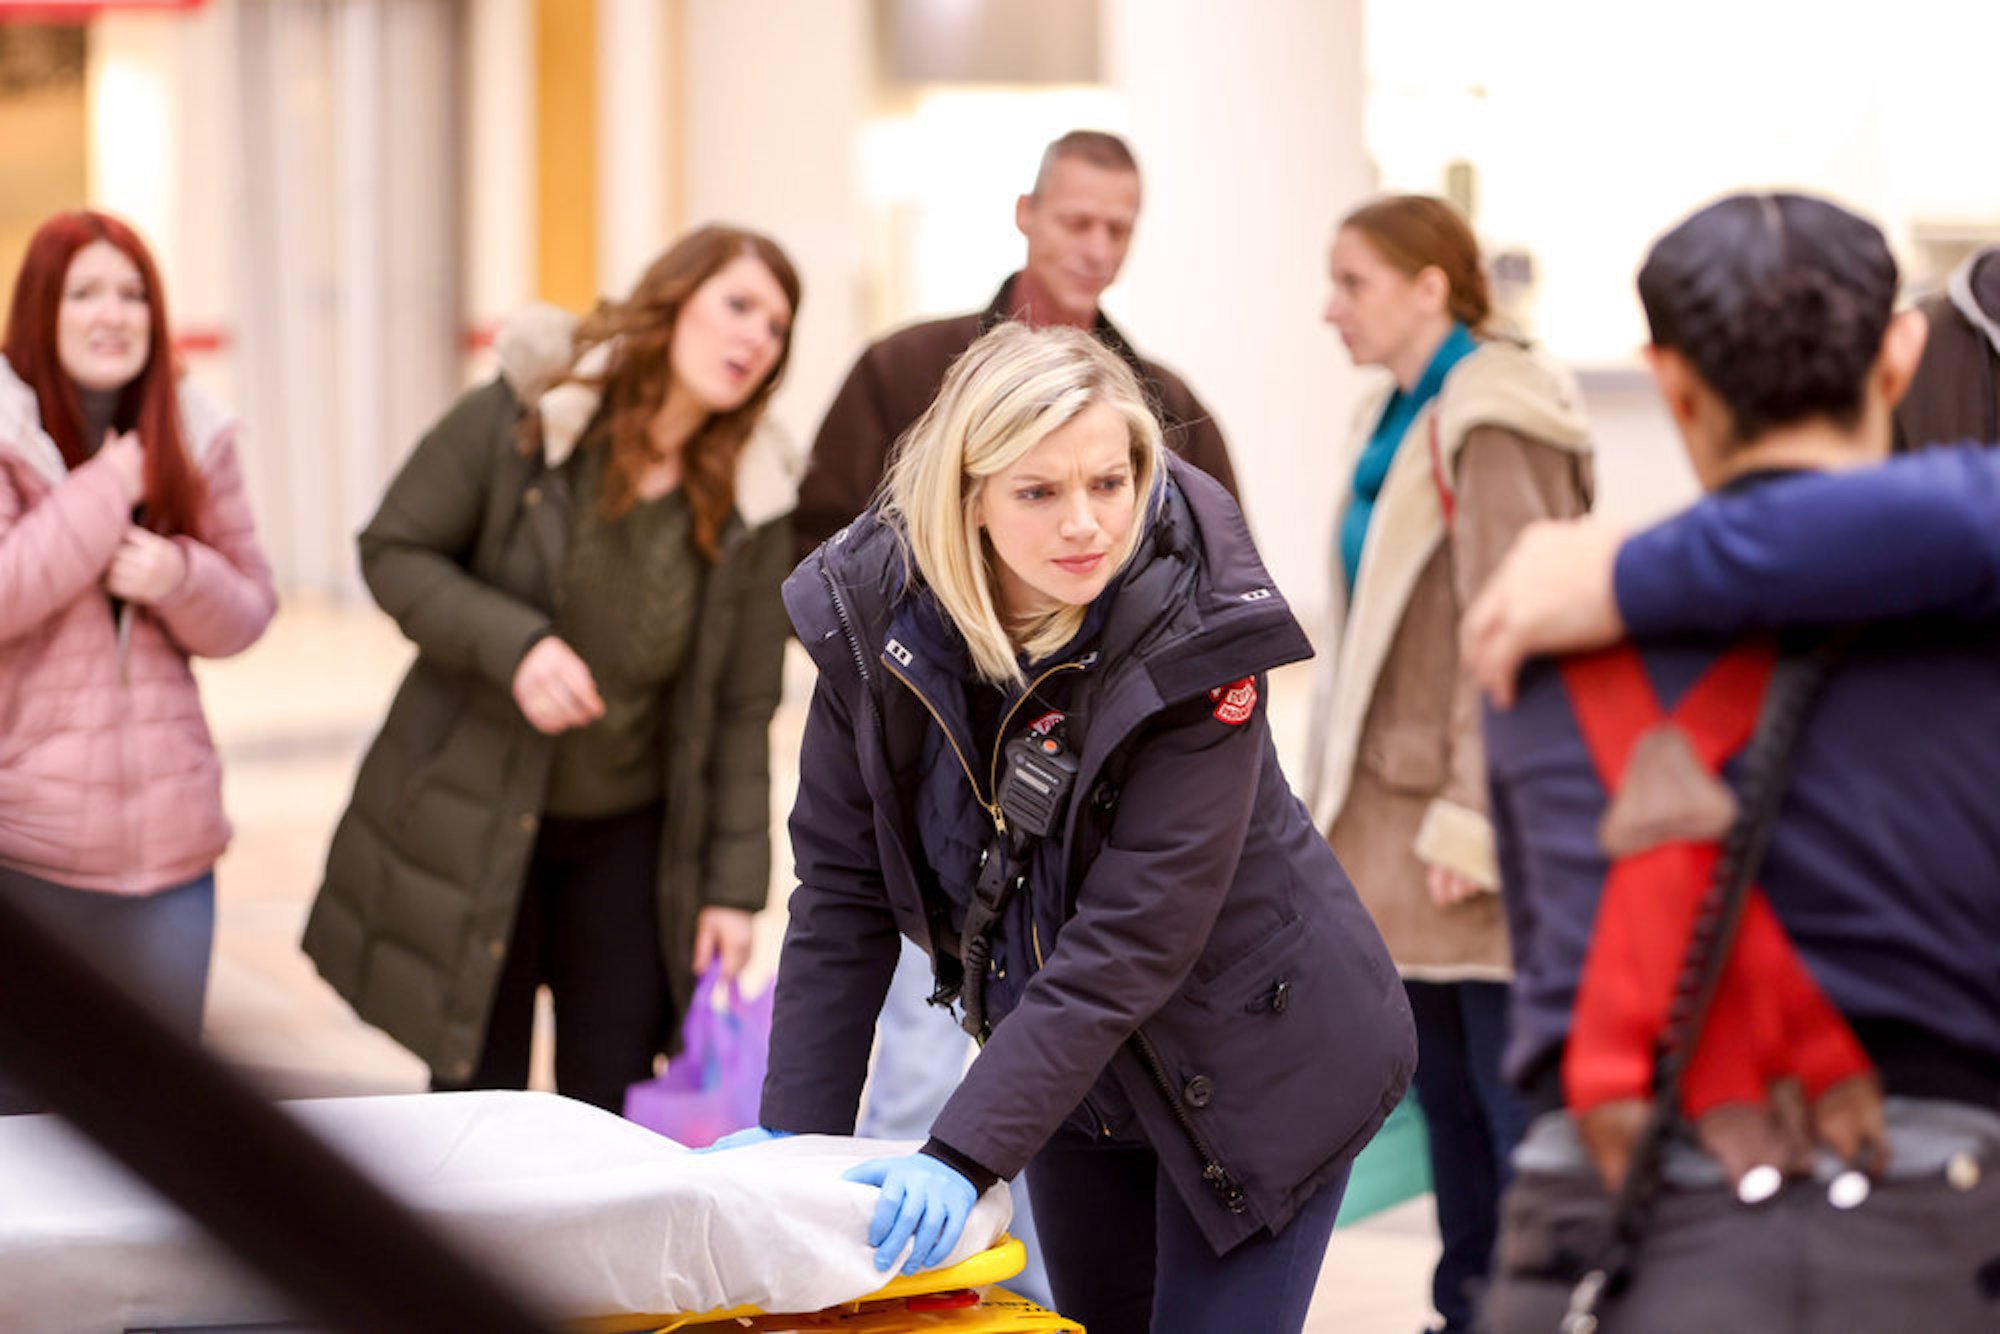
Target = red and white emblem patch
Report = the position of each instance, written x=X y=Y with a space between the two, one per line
x=1047 y=723
x=1235 y=703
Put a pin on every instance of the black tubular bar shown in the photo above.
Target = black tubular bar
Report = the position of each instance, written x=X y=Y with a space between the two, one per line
x=351 y=1256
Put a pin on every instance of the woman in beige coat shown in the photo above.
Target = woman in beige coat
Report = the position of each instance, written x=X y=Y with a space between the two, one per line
x=1473 y=437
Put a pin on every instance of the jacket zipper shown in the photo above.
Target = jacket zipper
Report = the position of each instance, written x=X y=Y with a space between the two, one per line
x=979 y=794
x=847 y=633
x=1007 y=719
x=1226 y=1187
x=992 y=808
x=122 y=636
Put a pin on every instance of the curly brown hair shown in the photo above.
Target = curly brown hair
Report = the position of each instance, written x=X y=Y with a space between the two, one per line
x=634 y=384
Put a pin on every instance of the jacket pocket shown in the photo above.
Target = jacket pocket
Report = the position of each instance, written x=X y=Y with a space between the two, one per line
x=1290 y=1057
x=1222 y=973
x=1407 y=757
x=418 y=739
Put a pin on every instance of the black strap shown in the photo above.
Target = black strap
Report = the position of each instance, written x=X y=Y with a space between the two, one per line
x=1796 y=683
x=1002 y=872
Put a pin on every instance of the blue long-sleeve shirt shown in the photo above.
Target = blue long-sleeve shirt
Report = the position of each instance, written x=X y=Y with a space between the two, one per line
x=1918 y=534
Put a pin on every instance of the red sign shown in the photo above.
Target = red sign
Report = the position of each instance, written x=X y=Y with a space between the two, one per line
x=74 y=11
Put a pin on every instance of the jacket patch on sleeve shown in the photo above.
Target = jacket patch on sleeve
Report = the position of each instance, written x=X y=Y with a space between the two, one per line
x=1236 y=702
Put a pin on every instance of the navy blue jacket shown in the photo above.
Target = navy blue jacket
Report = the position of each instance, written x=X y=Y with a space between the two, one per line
x=1884 y=866
x=1187 y=933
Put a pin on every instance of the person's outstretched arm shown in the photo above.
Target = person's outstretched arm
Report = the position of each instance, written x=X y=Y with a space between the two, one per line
x=1917 y=536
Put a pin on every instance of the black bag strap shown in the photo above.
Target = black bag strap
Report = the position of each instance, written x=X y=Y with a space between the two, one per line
x=1796 y=685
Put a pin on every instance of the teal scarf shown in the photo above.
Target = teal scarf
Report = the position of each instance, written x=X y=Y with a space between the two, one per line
x=1380 y=451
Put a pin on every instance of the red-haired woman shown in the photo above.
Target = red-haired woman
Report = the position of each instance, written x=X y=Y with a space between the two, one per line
x=572 y=786
x=126 y=548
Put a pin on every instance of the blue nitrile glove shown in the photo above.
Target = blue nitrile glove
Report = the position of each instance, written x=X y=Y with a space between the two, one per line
x=924 y=1203
x=736 y=1139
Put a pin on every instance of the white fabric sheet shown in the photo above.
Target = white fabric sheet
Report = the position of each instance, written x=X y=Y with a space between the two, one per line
x=590 y=1213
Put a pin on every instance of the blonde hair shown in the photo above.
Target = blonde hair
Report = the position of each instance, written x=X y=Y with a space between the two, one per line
x=1001 y=398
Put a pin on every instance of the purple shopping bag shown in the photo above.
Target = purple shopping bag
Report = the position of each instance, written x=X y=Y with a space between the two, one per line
x=714 y=1085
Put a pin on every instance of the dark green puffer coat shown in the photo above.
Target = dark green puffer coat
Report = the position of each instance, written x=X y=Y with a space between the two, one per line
x=426 y=866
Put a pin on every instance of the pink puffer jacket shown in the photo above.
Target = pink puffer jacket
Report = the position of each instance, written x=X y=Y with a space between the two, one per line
x=108 y=778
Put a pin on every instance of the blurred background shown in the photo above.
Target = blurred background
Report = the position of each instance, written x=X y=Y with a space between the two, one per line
x=345 y=196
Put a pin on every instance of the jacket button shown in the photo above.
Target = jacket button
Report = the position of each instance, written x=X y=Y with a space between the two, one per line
x=532 y=497
x=1281 y=996
x=497 y=948
x=1104 y=796
x=528 y=822
x=1198 y=1091
x=461 y=1069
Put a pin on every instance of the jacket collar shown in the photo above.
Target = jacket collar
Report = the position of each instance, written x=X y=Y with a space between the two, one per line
x=21 y=432
x=1001 y=309
x=203 y=422
x=1196 y=605
x=535 y=347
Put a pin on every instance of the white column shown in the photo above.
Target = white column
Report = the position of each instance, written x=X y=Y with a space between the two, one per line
x=1247 y=121
x=163 y=155
x=775 y=101
x=500 y=147
x=134 y=93
x=362 y=308
x=633 y=121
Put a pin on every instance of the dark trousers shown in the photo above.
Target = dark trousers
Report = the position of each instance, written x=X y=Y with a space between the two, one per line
x=1473 y=1120
x=1919 y=1254
x=153 y=946
x=588 y=929
x=1124 y=1255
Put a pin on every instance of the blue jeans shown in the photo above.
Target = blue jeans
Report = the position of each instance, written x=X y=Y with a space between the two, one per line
x=154 y=946
x=920 y=1055
x=1126 y=1257
x=1474 y=1121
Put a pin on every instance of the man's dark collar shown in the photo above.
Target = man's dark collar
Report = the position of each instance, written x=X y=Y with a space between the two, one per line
x=1001 y=309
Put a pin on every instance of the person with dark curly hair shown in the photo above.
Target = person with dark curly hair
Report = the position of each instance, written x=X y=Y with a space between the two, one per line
x=572 y=788
x=1833 y=1164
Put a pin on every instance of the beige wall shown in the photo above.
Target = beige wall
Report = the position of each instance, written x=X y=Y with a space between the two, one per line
x=1250 y=119
x=43 y=153
x=1596 y=126
x=775 y=94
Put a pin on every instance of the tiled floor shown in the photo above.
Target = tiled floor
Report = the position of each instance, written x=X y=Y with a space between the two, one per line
x=292 y=716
